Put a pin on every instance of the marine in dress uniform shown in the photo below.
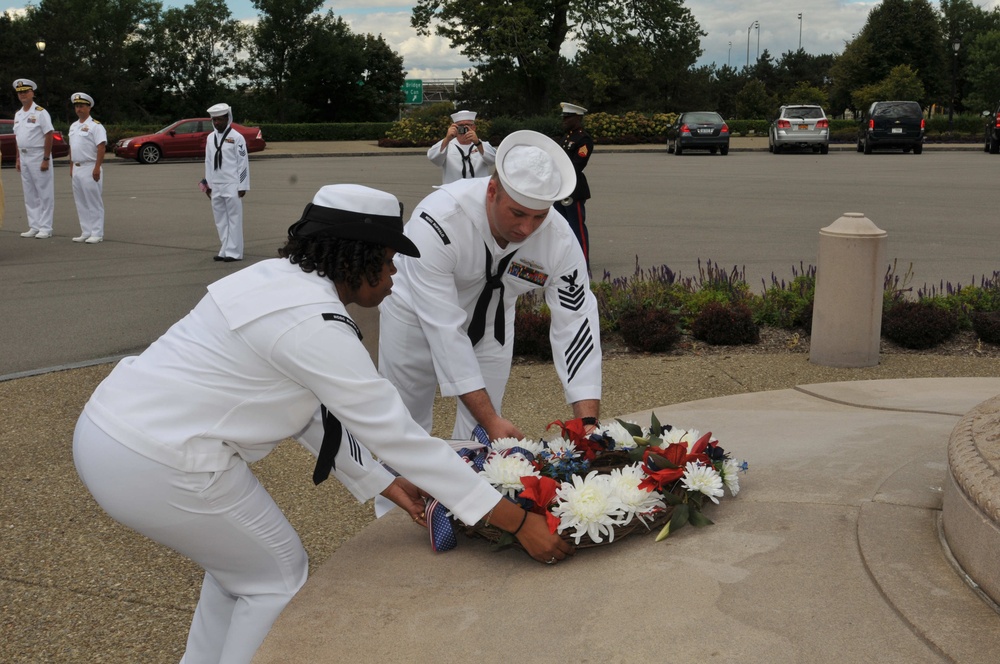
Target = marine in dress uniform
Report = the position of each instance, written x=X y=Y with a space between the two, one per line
x=579 y=145
x=227 y=176
x=87 y=144
x=450 y=319
x=33 y=130
x=461 y=154
x=270 y=352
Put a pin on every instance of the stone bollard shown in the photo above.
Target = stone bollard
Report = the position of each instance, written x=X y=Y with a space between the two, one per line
x=847 y=309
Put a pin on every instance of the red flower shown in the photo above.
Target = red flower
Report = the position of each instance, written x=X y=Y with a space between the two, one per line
x=573 y=432
x=660 y=467
x=542 y=492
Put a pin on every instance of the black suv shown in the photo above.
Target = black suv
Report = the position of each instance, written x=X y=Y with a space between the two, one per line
x=892 y=124
x=992 y=144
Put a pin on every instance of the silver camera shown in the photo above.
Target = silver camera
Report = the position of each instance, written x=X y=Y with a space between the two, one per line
x=462 y=129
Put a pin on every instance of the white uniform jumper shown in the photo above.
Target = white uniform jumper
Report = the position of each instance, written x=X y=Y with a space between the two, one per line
x=30 y=128
x=424 y=333
x=164 y=442
x=459 y=161
x=226 y=178
x=84 y=137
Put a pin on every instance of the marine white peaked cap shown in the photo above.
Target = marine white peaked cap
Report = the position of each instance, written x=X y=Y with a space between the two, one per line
x=82 y=98
x=461 y=116
x=572 y=109
x=219 y=109
x=534 y=170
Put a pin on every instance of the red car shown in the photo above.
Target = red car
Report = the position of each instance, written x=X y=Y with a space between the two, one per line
x=184 y=138
x=8 y=143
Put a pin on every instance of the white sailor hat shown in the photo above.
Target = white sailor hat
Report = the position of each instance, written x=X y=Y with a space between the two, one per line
x=534 y=170
x=461 y=116
x=82 y=98
x=219 y=109
x=572 y=109
x=355 y=212
x=23 y=84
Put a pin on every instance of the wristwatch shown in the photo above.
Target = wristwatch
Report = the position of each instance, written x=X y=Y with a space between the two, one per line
x=45 y=158
x=478 y=143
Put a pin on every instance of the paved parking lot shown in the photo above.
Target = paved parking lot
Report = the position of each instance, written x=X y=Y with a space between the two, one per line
x=66 y=302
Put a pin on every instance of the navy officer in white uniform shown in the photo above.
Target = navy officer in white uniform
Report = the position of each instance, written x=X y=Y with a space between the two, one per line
x=87 y=144
x=33 y=130
x=270 y=352
x=450 y=319
x=227 y=176
x=461 y=154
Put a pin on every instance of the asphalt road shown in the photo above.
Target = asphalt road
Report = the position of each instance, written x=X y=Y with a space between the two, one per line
x=64 y=303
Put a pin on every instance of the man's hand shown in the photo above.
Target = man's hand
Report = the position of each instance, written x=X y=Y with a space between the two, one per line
x=411 y=499
x=97 y=174
x=45 y=165
x=242 y=193
x=502 y=428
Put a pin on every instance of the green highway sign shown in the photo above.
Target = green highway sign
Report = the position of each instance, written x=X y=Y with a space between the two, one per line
x=413 y=88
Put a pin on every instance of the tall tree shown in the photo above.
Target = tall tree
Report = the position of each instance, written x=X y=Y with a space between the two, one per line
x=195 y=56
x=277 y=39
x=519 y=41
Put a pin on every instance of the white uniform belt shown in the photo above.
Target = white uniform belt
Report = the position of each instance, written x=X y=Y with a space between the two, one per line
x=85 y=161
x=41 y=147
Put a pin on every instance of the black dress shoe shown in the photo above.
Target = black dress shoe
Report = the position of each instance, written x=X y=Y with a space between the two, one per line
x=218 y=258
x=230 y=259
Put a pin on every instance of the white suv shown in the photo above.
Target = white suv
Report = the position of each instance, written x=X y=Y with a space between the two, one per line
x=799 y=126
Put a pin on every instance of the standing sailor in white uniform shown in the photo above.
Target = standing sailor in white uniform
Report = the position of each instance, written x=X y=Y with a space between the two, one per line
x=87 y=144
x=33 y=129
x=227 y=176
x=460 y=154
x=450 y=319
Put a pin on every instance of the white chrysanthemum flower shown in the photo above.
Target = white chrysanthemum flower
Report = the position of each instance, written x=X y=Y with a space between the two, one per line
x=625 y=484
x=623 y=439
x=563 y=448
x=731 y=475
x=703 y=479
x=501 y=444
x=505 y=473
x=590 y=506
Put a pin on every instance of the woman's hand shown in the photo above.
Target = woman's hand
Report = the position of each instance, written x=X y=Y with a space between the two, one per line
x=542 y=545
x=411 y=499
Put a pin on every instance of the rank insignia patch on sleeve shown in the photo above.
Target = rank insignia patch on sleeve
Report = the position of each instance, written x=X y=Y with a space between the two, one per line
x=572 y=295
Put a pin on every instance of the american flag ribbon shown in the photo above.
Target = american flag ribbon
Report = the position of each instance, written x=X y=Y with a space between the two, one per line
x=440 y=527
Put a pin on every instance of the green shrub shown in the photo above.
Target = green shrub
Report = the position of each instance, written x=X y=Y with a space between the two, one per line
x=918 y=325
x=987 y=326
x=787 y=305
x=726 y=325
x=532 y=320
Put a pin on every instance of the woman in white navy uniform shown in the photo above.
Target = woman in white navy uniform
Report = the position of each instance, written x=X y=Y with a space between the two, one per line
x=33 y=130
x=227 y=175
x=461 y=154
x=450 y=323
x=87 y=144
x=164 y=442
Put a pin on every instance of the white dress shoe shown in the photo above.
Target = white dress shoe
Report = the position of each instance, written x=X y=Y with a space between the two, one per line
x=94 y=239
x=29 y=233
x=42 y=235
x=82 y=238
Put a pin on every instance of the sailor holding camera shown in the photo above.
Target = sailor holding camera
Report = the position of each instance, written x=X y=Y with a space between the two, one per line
x=461 y=154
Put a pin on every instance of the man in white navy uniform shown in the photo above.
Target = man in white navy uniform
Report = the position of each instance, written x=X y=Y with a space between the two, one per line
x=33 y=130
x=227 y=176
x=87 y=144
x=165 y=442
x=450 y=319
x=461 y=154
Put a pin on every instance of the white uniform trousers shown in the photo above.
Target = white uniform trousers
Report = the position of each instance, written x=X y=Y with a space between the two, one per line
x=89 y=199
x=224 y=521
x=39 y=190
x=412 y=373
x=227 y=206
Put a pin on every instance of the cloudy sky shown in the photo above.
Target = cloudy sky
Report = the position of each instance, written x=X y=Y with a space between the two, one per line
x=825 y=26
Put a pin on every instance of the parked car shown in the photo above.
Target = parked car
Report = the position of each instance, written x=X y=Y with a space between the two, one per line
x=184 y=138
x=698 y=130
x=893 y=125
x=992 y=144
x=8 y=143
x=799 y=126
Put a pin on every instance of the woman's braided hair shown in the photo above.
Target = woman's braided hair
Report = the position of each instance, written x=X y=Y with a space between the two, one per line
x=337 y=259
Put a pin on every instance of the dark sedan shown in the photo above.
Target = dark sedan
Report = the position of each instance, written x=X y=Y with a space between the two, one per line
x=698 y=130
x=8 y=143
x=184 y=138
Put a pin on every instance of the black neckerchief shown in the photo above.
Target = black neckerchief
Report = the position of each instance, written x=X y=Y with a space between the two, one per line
x=219 y=140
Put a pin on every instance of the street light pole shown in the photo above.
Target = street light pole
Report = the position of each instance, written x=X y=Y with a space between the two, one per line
x=729 y=60
x=956 y=44
x=40 y=45
x=800 y=31
x=748 y=43
x=756 y=24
